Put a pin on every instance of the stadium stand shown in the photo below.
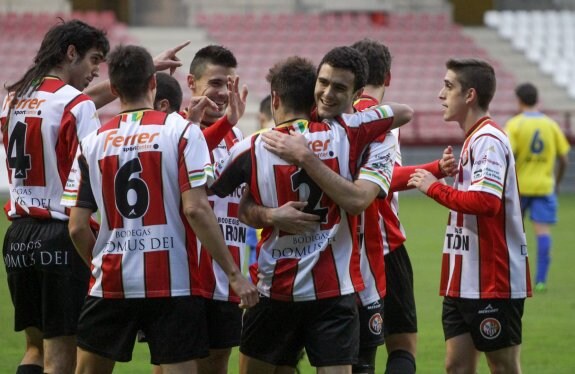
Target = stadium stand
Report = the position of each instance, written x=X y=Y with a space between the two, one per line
x=547 y=38
x=419 y=42
x=260 y=34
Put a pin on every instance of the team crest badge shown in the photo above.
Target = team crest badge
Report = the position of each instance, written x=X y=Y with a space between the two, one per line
x=490 y=328
x=376 y=324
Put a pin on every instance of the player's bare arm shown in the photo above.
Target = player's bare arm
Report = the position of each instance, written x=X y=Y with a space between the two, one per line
x=81 y=234
x=201 y=218
x=402 y=114
x=288 y=217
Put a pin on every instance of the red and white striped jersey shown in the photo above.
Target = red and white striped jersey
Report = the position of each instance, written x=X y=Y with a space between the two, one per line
x=486 y=257
x=392 y=232
x=324 y=263
x=214 y=282
x=40 y=135
x=379 y=159
x=133 y=170
x=379 y=227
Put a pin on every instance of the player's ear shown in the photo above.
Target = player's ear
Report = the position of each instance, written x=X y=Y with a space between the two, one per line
x=470 y=96
x=71 y=53
x=152 y=83
x=163 y=105
x=275 y=100
x=387 y=79
x=357 y=94
x=114 y=90
x=191 y=82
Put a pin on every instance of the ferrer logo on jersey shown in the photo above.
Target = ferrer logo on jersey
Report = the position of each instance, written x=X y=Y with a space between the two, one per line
x=140 y=142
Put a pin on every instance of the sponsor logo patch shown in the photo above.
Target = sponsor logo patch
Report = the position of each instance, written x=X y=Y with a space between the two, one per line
x=490 y=328
x=488 y=309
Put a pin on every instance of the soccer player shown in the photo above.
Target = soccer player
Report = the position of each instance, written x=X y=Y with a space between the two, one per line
x=374 y=241
x=144 y=170
x=540 y=150
x=308 y=279
x=398 y=304
x=210 y=70
x=485 y=271
x=42 y=118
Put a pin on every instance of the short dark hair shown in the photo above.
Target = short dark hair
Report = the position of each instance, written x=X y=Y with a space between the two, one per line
x=350 y=59
x=266 y=106
x=130 y=68
x=212 y=54
x=293 y=79
x=477 y=74
x=378 y=60
x=54 y=48
x=168 y=88
x=527 y=94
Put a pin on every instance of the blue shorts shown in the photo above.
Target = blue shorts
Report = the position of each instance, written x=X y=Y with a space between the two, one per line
x=543 y=209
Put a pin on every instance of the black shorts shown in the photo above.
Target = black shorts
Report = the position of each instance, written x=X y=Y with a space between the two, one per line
x=399 y=313
x=48 y=280
x=175 y=328
x=371 y=324
x=493 y=323
x=276 y=332
x=224 y=321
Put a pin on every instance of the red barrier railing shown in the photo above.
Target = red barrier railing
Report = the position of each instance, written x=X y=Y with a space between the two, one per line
x=429 y=128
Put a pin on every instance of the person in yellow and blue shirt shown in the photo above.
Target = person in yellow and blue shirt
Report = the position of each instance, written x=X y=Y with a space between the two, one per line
x=540 y=150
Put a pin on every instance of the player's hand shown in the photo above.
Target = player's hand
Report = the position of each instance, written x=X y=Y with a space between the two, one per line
x=198 y=105
x=290 y=218
x=447 y=164
x=237 y=100
x=421 y=180
x=246 y=290
x=168 y=59
x=291 y=148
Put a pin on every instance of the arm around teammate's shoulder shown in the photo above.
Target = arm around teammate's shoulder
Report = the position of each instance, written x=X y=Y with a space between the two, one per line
x=402 y=114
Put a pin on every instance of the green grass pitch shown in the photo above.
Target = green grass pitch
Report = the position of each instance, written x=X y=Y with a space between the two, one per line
x=548 y=322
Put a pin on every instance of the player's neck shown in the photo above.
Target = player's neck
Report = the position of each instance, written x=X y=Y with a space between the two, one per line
x=284 y=117
x=473 y=115
x=376 y=92
x=144 y=103
x=60 y=73
x=528 y=109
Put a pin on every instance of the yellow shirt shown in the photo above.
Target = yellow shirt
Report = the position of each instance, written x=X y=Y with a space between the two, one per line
x=536 y=141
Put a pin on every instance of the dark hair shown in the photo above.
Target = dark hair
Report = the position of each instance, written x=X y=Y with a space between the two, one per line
x=168 y=88
x=54 y=48
x=212 y=54
x=350 y=59
x=266 y=106
x=293 y=79
x=527 y=94
x=130 y=68
x=378 y=60
x=477 y=74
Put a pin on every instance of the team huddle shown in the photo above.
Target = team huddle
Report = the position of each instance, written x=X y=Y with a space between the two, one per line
x=135 y=229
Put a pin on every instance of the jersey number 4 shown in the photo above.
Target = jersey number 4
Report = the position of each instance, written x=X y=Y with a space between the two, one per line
x=26 y=152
